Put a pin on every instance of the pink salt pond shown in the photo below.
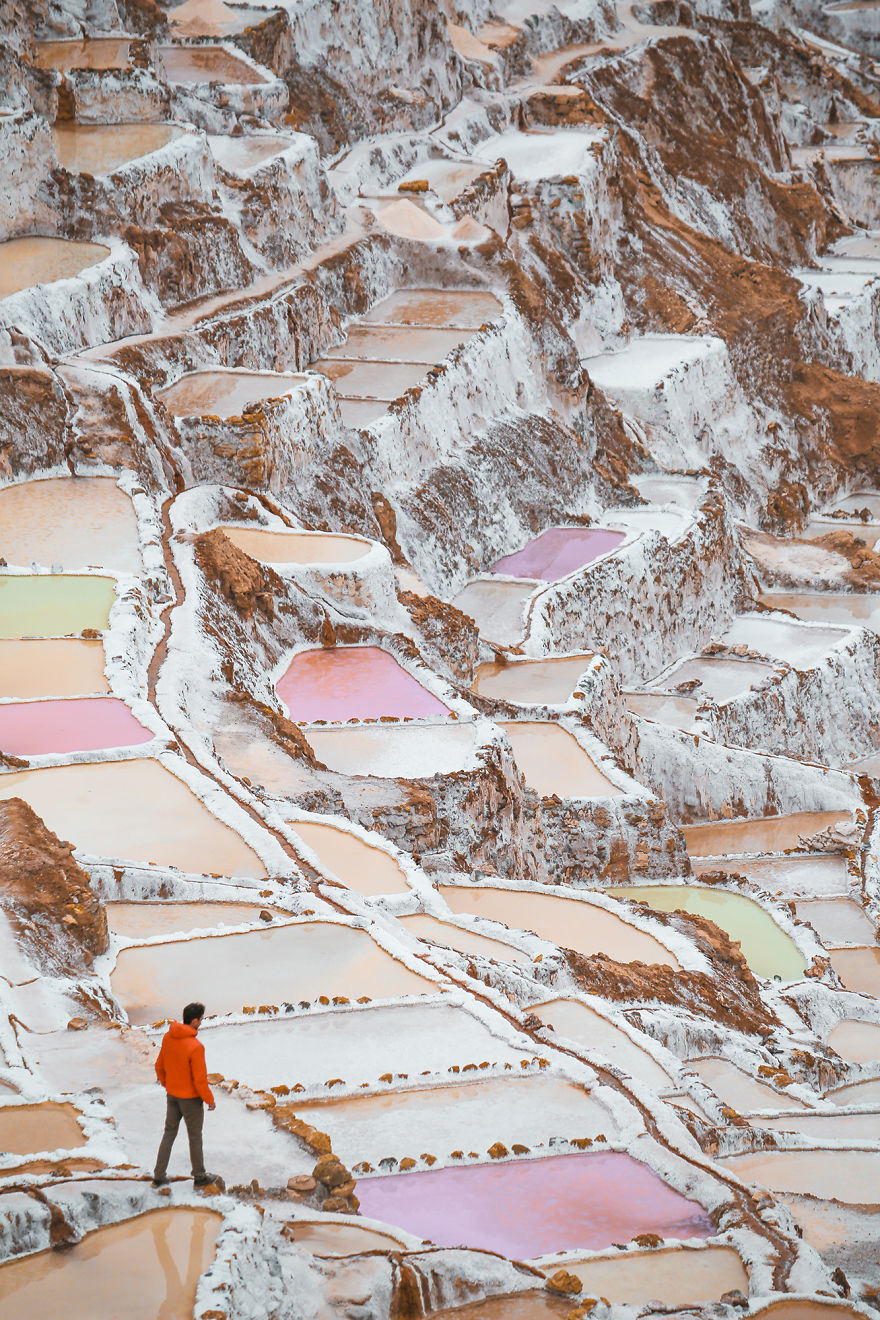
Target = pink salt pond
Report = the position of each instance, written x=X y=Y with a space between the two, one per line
x=353 y=682
x=529 y=1208
x=84 y=724
x=557 y=552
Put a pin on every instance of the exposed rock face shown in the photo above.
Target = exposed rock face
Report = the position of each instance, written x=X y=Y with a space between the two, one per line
x=59 y=919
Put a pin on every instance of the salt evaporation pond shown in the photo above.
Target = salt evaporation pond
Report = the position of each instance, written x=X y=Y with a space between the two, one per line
x=297 y=547
x=677 y=712
x=462 y=939
x=553 y=762
x=828 y=607
x=31 y=1129
x=141 y=921
x=517 y=1306
x=857 y=1042
x=82 y=724
x=359 y=1045
x=532 y=1207
x=359 y=865
x=592 y=1032
x=801 y=646
x=201 y=64
x=327 y=1239
x=862 y=499
x=790 y=877
x=25 y=262
x=56 y=668
x=681 y=1276
x=837 y=921
x=737 y=1089
x=79 y=53
x=102 y=148
x=761 y=834
x=397 y=751
x=531 y=682
x=558 y=552
x=858 y=969
x=851 y=1128
x=822 y=526
x=156 y=1259
x=370 y=380
x=497 y=608
x=353 y=682
x=569 y=922
x=135 y=810
x=766 y=948
x=395 y=343
x=280 y=964
x=245 y=153
x=720 y=678
x=468 y=1116
x=857 y=1093
x=225 y=392
x=54 y=605
x=462 y=309
x=850 y=1176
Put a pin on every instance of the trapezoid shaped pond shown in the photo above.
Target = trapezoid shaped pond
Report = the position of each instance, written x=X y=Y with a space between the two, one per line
x=761 y=834
x=353 y=682
x=246 y=153
x=718 y=677
x=787 y=877
x=553 y=762
x=79 y=724
x=857 y=1042
x=397 y=343
x=570 y=923
x=854 y=609
x=32 y=1129
x=678 y=1277
x=273 y=966
x=32 y=260
x=858 y=969
x=826 y=1129
x=557 y=552
x=766 y=948
x=191 y=65
x=135 y=810
x=849 y=1176
x=461 y=309
x=677 y=712
x=157 y=1259
x=102 y=148
x=517 y=1306
x=737 y=1089
x=857 y=1093
x=297 y=547
x=141 y=921
x=359 y=865
x=532 y=682
x=593 y=1032
x=225 y=392
x=469 y=1116
x=383 y=381
x=327 y=1239
x=54 y=605
x=83 y=53
x=532 y=1207
x=397 y=751
x=359 y=1045
x=837 y=921
x=800 y=644
x=461 y=938
x=497 y=608
x=57 y=668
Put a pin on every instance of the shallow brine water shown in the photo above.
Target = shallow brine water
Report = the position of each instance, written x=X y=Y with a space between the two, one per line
x=29 y=1129
x=764 y=834
x=858 y=969
x=737 y=1089
x=81 y=724
x=135 y=810
x=719 y=678
x=789 y=877
x=89 y=53
x=675 y=1278
x=552 y=761
x=857 y=1093
x=828 y=607
x=246 y=153
x=69 y=523
x=677 y=712
x=353 y=682
x=766 y=948
x=854 y=1128
x=558 y=552
x=849 y=1176
x=857 y=1042
x=399 y=751
x=57 y=668
x=799 y=645
x=568 y=922
x=532 y=1207
x=328 y=1239
x=531 y=682
x=371 y=380
x=201 y=64
x=273 y=966
x=51 y=605
x=463 y=940
x=297 y=547
x=225 y=393
x=156 y=1259
x=141 y=921
x=463 y=309
x=837 y=921
x=394 y=343
x=497 y=608
x=35 y=260
x=359 y=865
x=592 y=1032
x=102 y=148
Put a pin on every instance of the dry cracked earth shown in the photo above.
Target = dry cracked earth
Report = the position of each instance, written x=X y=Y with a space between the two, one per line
x=440 y=629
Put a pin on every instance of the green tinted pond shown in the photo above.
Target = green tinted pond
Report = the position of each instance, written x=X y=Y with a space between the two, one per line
x=54 y=605
x=766 y=948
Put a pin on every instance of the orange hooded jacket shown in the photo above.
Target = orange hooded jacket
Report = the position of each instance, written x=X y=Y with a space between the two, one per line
x=180 y=1064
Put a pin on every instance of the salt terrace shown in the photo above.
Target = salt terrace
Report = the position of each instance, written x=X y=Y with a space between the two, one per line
x=440 y=630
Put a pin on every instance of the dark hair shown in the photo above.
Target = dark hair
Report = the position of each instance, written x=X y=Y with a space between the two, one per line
x=193 y=1011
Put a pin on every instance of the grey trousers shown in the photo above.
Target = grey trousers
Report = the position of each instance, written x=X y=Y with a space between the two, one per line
x=193 y=1114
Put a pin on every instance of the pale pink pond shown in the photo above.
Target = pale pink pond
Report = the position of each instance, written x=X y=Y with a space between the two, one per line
x=557 y=552
x=83 y=724
x=353 y=682
x=532 y=1207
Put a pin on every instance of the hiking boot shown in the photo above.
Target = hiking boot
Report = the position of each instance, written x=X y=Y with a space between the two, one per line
x=161 y=1182
x=207 y=1179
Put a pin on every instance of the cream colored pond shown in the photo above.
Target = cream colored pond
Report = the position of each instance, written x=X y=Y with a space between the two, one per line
x=155 y=1259
x=737 y=1089
x=531 y=682
x=461 y=939
x=54 y=605
x=272 y=966
x=828 y=607
x=135 y=810
x=857 y=1042
x=790 y=877
x=470 y=1117
x=676 y=1277
x=852 y=1128
x=30 y=1129
x=202 y=64
x=297 y=547
x=553 y=762
x=763 y=834
x=79 y=53
x=592 y=1032
x=497 y=608
x=857 y=1093
x=359 y=865
x=245 y=153
x=370 y=380
x=837 y=920
x=721 y=678
x=323 y=1238
x=102 y=148
x=393 y=751
x=519 y=1306
x=858 y=969
x=143 y=921
x=462 y=309
x=69 y=523
x=396 y=343
x=25 y=262
x=849 y=1176
x=56 y=668
x=766 y=948
x=571 y=923
x=225 y=393
x=677 y=712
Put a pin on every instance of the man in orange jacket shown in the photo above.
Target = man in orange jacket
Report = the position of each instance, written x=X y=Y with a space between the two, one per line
x=180 y=1068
